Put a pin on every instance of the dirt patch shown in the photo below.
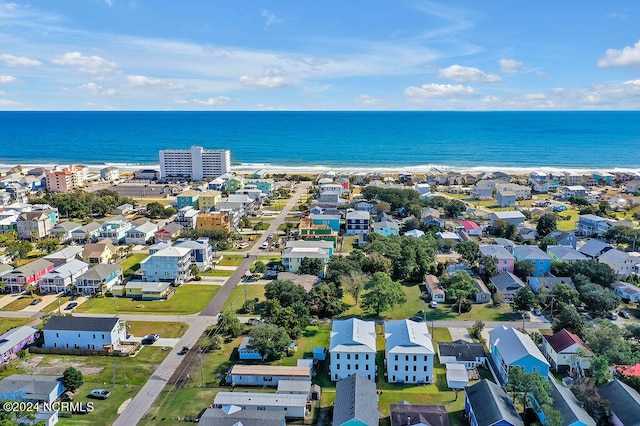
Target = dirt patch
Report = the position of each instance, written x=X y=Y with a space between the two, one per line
x=55 y=366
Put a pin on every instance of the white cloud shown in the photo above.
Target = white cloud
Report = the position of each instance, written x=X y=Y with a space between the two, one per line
x=265 y=82
x=510 y=66
x=318 y=89
x=19 y=61
x=180 y=101
x=7 y=102
x=616 y=15
x=557 y=90
x=439 y=90
x=7 y=79
x=109 y=2
x=368 y=100
x=490 y=99
x=143 y=81
x=86 y=64
x=96 y=89
x=633 y=82
x=629 y=55
x=462 y=74
x=535 y=97
x=219 y=100
x=270 y=18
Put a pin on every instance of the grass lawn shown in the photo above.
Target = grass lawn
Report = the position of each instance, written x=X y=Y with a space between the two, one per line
x=188 y=299
x=31 y=256
x=231 y=260
x=54 y=305
x=278 y=205
x=267 y=259
x=9 y=323
x=347 y=243
x=133 y=262
x=568 y=225
x=20 y=303
x=163 y=329
x=217 y=273
x=236 y=299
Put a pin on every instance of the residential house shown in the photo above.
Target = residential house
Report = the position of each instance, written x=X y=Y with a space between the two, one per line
x=147 y=290
x=140 y=234
x=352 y=349
x=505 y=198
x=209 y=199
x=627 y=291
x=564 y=238
x=386 y=225
x=63 y=230
x=483 y=295
x=415 y=233
x=565 y=254
x=110 y=174
x=245 y=353
x=504 y=260
x=267 y=186
x=576 y=191
x=64 y=255
x=115 y=229
x=487 y=404
x=483 y=190
x=511 y=348
x=621 y=262
x=83 y=333
x=296 y=251
x=61 y=278
x=409 y=352
x=506 y=243
x=565 y=351
x=356 y=402
x=170 y=264
x=293 y=406
x=189 y=198
x=512 y=217
x=469 y=354
x=187 y=217
x=8 y=223
x=471 y=228
x=548 y=282
x=594 y=248
x=432 y=284
x=521 y=192
x=234 y=183
x=266 y=375
x=406 y=414
x=590 y=224
x=369 y=206
x=296 y=387
x=99 y=279
x=35 y=224
x=15 y=340
x=357 y=223
x=168 y=232
x=201 y=251
x=624 y=402
x=123 y=209
x=100 y=252
x=309 y=231
x=31 y=388
x=533 y=254
x=451 y=236
x=87 y=233
x=508 y=284
x=20 y=278
x=571 y=410
x=214 y=220
x=233 y=415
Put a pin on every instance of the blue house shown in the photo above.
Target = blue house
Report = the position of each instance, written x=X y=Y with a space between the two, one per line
x=30 y=387
x=245 y=353
x=83 y=333
x=115 y=229
x=535 y=255
x=14 y=340
x=170 y=264
x=511 y=348
x=487 y=404
x=331 y=220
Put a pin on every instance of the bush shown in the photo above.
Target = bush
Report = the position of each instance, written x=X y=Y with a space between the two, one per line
x=72 y=379
x=248 y=307
x=466 y=306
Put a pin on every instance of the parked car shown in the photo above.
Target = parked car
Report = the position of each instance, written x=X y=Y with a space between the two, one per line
x=74 y=297
x=149 y=339
x=433 y=304
x=35 y=302
x=537 y=312
x=416 y=318
x=184 y=350
x=100 y=394
x=70 y=306
x=624 y=314
x=611 y=316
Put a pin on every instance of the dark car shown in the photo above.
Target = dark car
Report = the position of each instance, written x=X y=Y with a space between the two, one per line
x=416 y=318
x=35 y=302
x=149 y=339
x=70 y=306
x=625 y=314
x=73 y=297
x=184 y=350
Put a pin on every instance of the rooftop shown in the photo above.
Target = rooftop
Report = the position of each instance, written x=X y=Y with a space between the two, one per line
x=81 y=323
x=353 y=335
x=406 y=336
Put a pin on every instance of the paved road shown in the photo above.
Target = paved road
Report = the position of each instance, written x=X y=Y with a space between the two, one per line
x=173 y=363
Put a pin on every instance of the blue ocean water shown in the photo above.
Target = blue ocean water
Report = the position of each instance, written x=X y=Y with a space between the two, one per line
x=334 y=139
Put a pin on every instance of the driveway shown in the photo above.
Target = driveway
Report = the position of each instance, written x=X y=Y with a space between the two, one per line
x=46 y=300
x=458 y=333
x=165 y=342
x=5 y=300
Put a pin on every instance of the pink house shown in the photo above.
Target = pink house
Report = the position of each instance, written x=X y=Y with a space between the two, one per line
x=471 y=227
x=29 y=273
x=504 y=260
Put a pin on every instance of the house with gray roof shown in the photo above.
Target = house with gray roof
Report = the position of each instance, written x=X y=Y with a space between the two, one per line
x=621 y=262
x=85 y=333
x=624 y=403
x=533 y=254
x=406 y=414
x=409 y=352
x=101 y=278
x=233 y=415
x=31 y=387
x=514 y=217
x=356 y=402
x=61 y=278
x=469 y=354
x=352 y=349
x=504 y=258
x=564 y=238
x=571 y=410
x=63 y=230
x=627 y=291
x=141 y=233
x=565 y=254
x=508 y=284
x=511 y=348
x=594 y=248
x=487 y=404
x=87 y=233
x=14 y=340
x=291 y=405
x=64 y=255
x=29 y=273
x=549 y=282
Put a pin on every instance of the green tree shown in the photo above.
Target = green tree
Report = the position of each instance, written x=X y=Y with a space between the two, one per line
x=454 y=208
x=570 y=319
x=596 y=406
x=340 y=266
x=19 y=249
x=476 y=329
x=458 y=287
x=523 y=269
x=469 y=251
x=566 y=294
x=195 y=272
x=230 y=325
x=503 y=229
x=553 y=416
x=598 y=300
x=600 y=369
x=72 y=379
x=383 y=207
x=598 y=273
x=269 y=340
x=310 y=265
x=547 y=224
x=608 y=339
x=382 y=293
x=325 y=301
x=488 y=266
x=48 y=245
x=286 y=292
x=288 y=320
x=353 y=283
x=524 y=300
x=547 y=241
x=376 y=262
x=529 y=384
x=498 y=298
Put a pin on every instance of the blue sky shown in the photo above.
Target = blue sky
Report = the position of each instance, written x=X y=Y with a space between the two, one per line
x=328 y=55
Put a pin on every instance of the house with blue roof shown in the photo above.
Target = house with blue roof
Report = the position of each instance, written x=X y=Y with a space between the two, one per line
x=511 y=348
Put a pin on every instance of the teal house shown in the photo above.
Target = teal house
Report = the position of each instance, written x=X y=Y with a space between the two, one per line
x=234 y=183
x=331 y=220
x=265 y=187
x=188 y=198
x=511 y=348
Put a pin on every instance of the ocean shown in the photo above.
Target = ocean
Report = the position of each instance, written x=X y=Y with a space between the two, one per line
x=361 y=140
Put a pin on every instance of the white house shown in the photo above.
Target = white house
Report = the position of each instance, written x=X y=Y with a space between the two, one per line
x=409 y=352
x=512 y=217
x=352 y=349
x=62 y=277
x=462 y=352
x=294 y=406
x=297 y=250
x=357 y=223
x=266 y=375
x=434 y=289
x=621 y=262
x=88 y=333
x=141 y=234
x=201 y=251
x=627 y=291
x=564 y=350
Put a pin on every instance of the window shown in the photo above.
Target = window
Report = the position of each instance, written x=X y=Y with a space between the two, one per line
x=357 y=365
x=406 y=368
x=337 y=366
x=426 y=357
x=396 y=357
x=337 y=356
x=425 y=368
x=94 y=336
x=366 y=357
x=356 y=357
x=406 y=357
x=348 y=366
x=348 y=356
x=414 y=369
x=366 y=367
x=415 y=358
x=395 y=367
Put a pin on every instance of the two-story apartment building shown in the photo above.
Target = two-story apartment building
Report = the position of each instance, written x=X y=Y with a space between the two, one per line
x=170 y=264
x=99 y=279
x=409 y=352
x=504 y=260
x=115 y=229
x=187 y=216
x=62 y=277
x=352 y=349
x=621 y=262
x=26 y=274
x=533 y=254
x=189 y=198
x=297 y=250
x=89 y=333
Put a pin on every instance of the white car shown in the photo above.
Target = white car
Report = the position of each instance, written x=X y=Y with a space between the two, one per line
x=433 y=304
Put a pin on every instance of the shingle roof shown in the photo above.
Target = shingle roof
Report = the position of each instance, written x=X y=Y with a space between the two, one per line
x=567 y=404
x=614 y=256
x=506 y=281
x=31 y=268
x=530 y=252
x=624 y=401
x=497 y=251
x=592 y=247
x=100 y=271
x=36 y=387
x=356 y=398
x=353 y=335
x=626 y=287
x=566 y=253
x=81 y=323
x=406 y=336
x=431 y=415
x=562 y=340
x=14 y=336
x=462 y=350
x=490 y=404
x=514 y=345
x=230 y=416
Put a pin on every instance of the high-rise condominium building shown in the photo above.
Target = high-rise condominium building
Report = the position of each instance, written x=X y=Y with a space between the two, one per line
x=196 y=163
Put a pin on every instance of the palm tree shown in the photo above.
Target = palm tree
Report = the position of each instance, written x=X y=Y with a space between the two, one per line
x=3 y=286
x=30 y=287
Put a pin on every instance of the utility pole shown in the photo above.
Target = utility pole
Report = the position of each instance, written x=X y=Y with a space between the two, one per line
x=245 y=293
x=114 y=372
x=201 y=371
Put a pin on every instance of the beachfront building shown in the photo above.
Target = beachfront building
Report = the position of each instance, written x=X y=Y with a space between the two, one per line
x=65 y=179
x=409 y=352
x=110 y=174
x=99 y=279
x=352 y=349
x=170 y=264
x=19 y=279
x=61 y=278
x=193 y=164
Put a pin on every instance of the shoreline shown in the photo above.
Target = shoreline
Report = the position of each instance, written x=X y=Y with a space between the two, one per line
x=317 y=169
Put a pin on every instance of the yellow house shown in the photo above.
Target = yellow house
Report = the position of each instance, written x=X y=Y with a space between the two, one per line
x=99 y=252
x=214 y=220
x=208 y=199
